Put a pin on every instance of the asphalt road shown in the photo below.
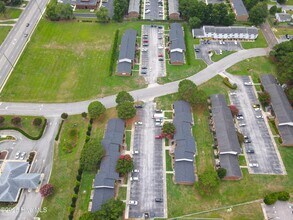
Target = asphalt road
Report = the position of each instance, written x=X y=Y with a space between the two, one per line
x=15 y=42
x=56 y=109
x=269 y=34
x=154 y=10
x=29 y=203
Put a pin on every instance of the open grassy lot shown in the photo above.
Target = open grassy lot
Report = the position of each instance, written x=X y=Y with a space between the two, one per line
x=3 y=33
x=217 y=57
x=26 y=124
x=188 y=69
x=260 y=42
x=128 y=139
x=65 y=168
x=187 y=199
x=10 y=13
x=281 y=31
x=254 y=67
x=69 y=61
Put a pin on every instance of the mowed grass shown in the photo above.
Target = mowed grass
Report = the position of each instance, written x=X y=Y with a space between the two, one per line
x=281 y=31
x=10 y=13
x=122 y=193
x=4 y=30
x=65 y=166
x=69 y=61
x=168 y=161
x=217 y=57
x=260 y=42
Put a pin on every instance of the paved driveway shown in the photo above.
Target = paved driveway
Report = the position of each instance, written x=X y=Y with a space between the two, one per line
x=154 y=9
x=149 y=161
x=150 y=58
x=266 y=154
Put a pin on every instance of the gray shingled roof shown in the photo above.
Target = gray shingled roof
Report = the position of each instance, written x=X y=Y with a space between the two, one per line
x=86 y=3
x=239 y=7
x=173 y=6
x=231 y=164
x=13 y=178
x=176 y=37
x=105 y=178
x=124 y=67
x=182 y=106
x=224 y=125
x=134 y=6
x=197 y=32
x=184 y=172
x=176 y=57
x=230 y=30
x=284 y=16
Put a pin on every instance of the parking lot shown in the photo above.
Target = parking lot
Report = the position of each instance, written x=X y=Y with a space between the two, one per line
x=152 y=53
x=265 y=159
x=202 y=50
x=148 y=163
x=153 y=10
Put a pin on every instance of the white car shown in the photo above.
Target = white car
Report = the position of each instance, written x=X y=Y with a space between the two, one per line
x=257 y=109
x=138 y=123
x=135 y=171
x=132 y=202
x=22 y=155
x=259 y=116
x=135 y=152
x=147 y=11
x=134 y=178
x=239 y=117
x=242 y=125
x=160 y=47
x=158 y=124
x=144 y=49
x=248 y=83
x=253 y=164
x=233 y=93
x=17 y=154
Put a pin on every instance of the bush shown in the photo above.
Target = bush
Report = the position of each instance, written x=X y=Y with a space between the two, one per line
x=221 y=172
x=37 y=121
x=59 y=130
x=88 y=133
x=113 y=53
x=64 y=115
x=87 y=138
x=227 y=83
x=283 y=196
x=2 y=119
x=46 y=190
x=126 y=110
x=270 y=199
x=16 y=120
x=84 y=114
x=78 y=177
x=96 y=109
x=76 y=189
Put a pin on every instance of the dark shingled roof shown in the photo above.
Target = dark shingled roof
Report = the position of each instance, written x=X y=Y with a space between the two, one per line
x=185 y=144
x=176 y=56
x=86 y=3
x=105 y=178
x=231 y=164
x=176 y=37
x=239 y=7
x=224 y=125
x=134 y=6
x=281 y=107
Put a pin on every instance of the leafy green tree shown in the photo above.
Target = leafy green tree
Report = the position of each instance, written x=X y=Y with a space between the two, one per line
x=56 y=12
x=189 y=92
x=208 y=181
x=258 y=14
x=273 y=10
x=124 y=164
x=91 y=155
x=88 y=216
x=96 y=109
x=281 y=1
x=84 y=114
x=47 y=190
x=15 y=2
x=194 y=22
x=111 y=210
x=126 y=110
x=290 y=94
x=123 y=96
x=270 y=199
x=249 y=4
x=120 y=8
x=103 y=15
x=221 y=172
x=264 y=98
x=2 y=7
x=37 y=121
x=283 y=196
x=64 y=115
x=168 y=128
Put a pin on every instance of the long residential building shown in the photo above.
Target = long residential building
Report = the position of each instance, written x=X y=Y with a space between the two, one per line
x=226 y=137
x=133 y=9
x=104 y=182
x=173 y=8
x=281 y=108
x=229 y=33
x=184 y=143
x=239 y=10
x=176 y=44
x=127 y=53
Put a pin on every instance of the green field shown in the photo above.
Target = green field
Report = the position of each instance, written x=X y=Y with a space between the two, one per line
x=122 y=193
x=10 y=13
x=260 y=42
x=217 y=57
x=281 y=31
x=68 y=61
x=168 y=161
x=3 y=33
x=64 y=171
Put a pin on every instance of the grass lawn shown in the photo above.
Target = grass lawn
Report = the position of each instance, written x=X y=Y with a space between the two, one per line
x=64 y=171
x=254 y=67
x=69 y=61
x=10 y=13
x=26 y=124
x=168 y=161
x=273 y=127
x=281 y=31
x=260 y=42
x=122 y=193
x=179 y=72
x=242 y=161
x=3 y=33
x=217 y=57
x=128 y=139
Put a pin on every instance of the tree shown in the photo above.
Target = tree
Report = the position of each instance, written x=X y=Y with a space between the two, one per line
x=88 y=216
x=123 y=96
x=194 y=22
x=273 y=10
x=234 y=110
x=2 y=119
x=281 y=1
x=96 y=109
x=84 y=114
x=264 y=98
x=124 y=164
x=46 y=190
x=91 y=155
x=15 y=2
x=56 y=12
x=168 y=129
x=270 y=199
x=2 y=7
x=283 y=196
x=37 y=121
x=102 y=15
x=188 y=91
x=258 y=14
x=221 y=172
x=120 y=8
x=126 y=110
x=16 y=120
x=208 y=181
x=64 y=115
x=111 y=210
x=290 y=94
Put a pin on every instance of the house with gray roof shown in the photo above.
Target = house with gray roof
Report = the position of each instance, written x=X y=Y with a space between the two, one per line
x=127 y=52
x=226 y=137
x=173 y=9
x=14 y=178
x=283 y=17
x=104 y=182
x=184 y=144
x=239 y=10
x=86 y=4
x=133 y=8
x=281 y=108
x=176 y=44
x=109 y=4
x=226 y=33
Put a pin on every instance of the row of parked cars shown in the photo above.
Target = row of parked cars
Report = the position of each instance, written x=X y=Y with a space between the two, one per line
x=20 y=155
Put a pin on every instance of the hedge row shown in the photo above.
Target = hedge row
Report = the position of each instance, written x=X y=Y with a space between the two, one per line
x=59 y=130
x=113 y=53
x=273 y=197
x=227 y=83
x=187 y=55
x=26 y=134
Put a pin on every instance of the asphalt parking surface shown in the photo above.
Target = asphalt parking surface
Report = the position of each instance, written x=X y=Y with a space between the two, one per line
x=214 y=45
x=149 y=161
x=280 y=210
x=154 y=9
x=150 y=58
x=256 y=129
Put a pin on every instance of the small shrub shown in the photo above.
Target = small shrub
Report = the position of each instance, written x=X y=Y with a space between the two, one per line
x=84 y=114
x=221 y=173
x=64 y=115
x=91 y=121
x=37 y=121
x=46 y=190
x=16 y=120
x=88 y=133
x=79 y=171
x=89 y=128
x=78 y=177
x=228 y=83
x=283 y=196
x=87 y=138
x=76 y=189
x=270 y=199
x=2 y=119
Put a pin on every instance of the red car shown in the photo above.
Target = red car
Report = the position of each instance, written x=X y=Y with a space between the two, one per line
x=159 y=136
x=160 y=55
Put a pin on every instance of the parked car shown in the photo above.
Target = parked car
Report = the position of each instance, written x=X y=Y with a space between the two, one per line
x=138 y=106
x=147 y=11
x=160 y=47
x=259 y=116
x=159 y=137
x=197 y=49
x=17 y=154
x=134 y=178
x=158 y=124
x=161 y=59
x=132 y=202
x=239 y=117
x=161 y=55
x=135 y=152
x=27 y=24
x=144 y=49
x=158 y=110
x=253 y=164
x=22 y=155
x=242 y=125
x=138 y=123
x=145 y=44
x=250 y=151
x=143 y=71
x=135 y=171
x=247 y=141
x=233 y=93
x=158 y=119
x=25 y=35
x=158 y=199
x=256 y=105
x=248 y=83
